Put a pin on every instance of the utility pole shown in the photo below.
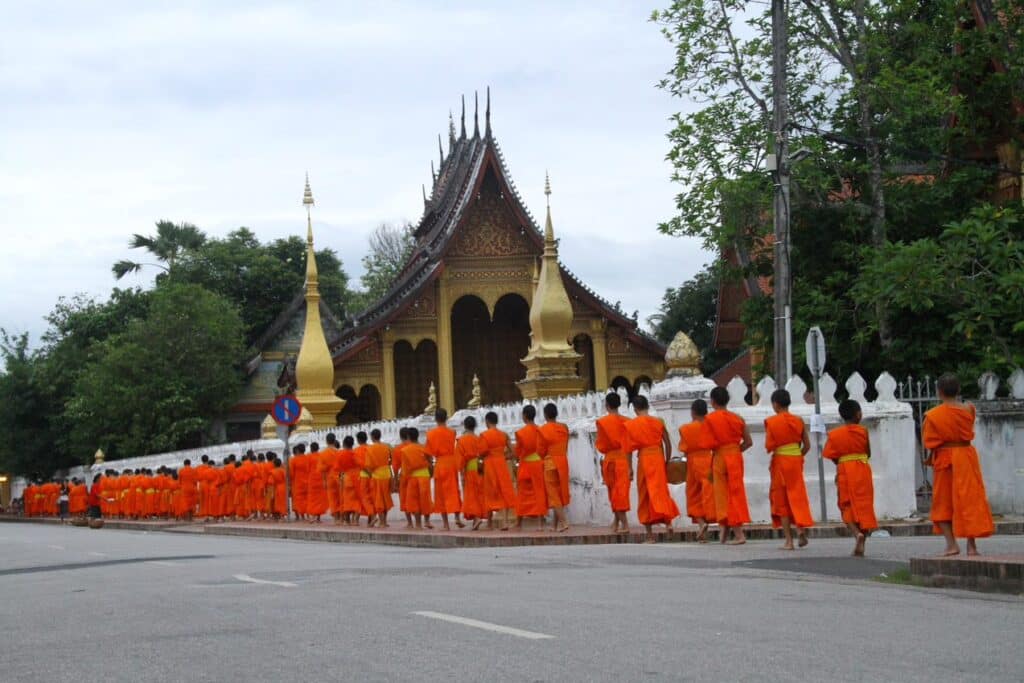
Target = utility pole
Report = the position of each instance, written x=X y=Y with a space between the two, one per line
x=783 y=342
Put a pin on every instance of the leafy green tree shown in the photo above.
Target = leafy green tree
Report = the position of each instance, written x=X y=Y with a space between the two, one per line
x=390 y=247
x=167 y=246
x=158 y=385
x=692 y=308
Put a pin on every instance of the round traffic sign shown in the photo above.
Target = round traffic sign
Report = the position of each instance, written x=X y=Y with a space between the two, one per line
x=286 y=410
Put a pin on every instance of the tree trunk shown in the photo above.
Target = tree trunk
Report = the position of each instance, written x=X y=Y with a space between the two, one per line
x=876 y=186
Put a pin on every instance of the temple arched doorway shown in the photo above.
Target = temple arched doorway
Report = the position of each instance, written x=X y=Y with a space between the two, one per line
x=584 y=346
x=490 y=348
x=415 y=369
x=623 y=383
x=361 y=407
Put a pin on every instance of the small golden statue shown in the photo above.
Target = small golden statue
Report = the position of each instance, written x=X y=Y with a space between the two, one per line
x=305 y=424
x=431 y=401
x=682 y=357
x=99 y=458
x=268 y=429
x=474 y=401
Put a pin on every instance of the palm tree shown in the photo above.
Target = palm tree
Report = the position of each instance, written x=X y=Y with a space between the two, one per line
x=171 y=241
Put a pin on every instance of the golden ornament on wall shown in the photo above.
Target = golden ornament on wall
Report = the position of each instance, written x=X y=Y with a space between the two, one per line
x=682 y=357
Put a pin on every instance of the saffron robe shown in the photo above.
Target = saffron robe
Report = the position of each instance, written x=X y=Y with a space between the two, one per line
x=351 y=496
x=280 y=499
x=615 y=467
x=530 y=450
x=440 y=445
x=498 y=491
x=78 y=499
x=958 y=489
x=855 y=488
x=787 y=493
x=695 y=441
x=316 y=489
x=468 y=450
x=645 y=434
x=187 y=478
x=414 y=462
x=378 y=463
x=300 y=482
x=556 y=463
x=329 y=467
x=726 y=430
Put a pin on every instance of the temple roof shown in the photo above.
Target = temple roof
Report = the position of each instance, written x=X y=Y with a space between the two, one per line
x=456 y=182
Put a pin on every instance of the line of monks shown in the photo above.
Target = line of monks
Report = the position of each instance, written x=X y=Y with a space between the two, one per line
x=468 y=476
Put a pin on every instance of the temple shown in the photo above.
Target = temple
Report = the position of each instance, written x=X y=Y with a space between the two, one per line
x=459 y=308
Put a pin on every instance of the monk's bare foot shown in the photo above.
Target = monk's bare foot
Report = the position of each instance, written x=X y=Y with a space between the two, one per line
x=802 y=541
x=614 y=527
x=563 y=528
x=428 y=525
x=950 y=552
x=476 y=524
x=505 y=528
x=446 y=527
x=702 y=533
x=459 y=523
x=786 y=546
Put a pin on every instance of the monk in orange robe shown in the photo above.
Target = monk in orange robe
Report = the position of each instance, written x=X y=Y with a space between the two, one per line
x=227 y=488
x=469 y=451
x=556 y=465
x=648 y=437
x=848 y=446
x=362 y=446
x=351 y=468
x=378 y=464
x=258 y=486
x=498 y=491
x=729 y=438
x=530 y=450
x=414 y=461
x=280 y=498
x=400 y=474
x=786 y=438
x=299 y=465
x=188 y=477
x=440 y=446
x=316 y=486
x=959 y=504
x=695 y=442
x=331 y=473
x=242 y=477
x=268 y=487
x=616 y=466
x=78 y=498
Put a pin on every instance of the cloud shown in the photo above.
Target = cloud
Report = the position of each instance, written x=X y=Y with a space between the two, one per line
x=120 y=114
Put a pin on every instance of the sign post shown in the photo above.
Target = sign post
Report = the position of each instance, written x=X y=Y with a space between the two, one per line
x=286 y=412
x=815 y=347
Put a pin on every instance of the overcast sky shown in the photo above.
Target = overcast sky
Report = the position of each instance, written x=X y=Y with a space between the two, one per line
x=117 y=114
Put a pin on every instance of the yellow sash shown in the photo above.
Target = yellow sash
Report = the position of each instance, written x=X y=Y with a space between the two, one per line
x=854 y=457
x=473 y=465
x=423 y=472
x=533 y=457
x=789 y=449
x=382 y=472
x=363 y=474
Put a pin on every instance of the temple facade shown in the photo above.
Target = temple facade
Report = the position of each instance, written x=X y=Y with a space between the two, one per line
x=459 y=308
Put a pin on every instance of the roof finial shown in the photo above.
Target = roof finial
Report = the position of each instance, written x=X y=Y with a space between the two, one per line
x=424 y=188
x=440 y=149
x=487 y=114
x=307 y=201
x=463 y=116
x=476 y=114
x=549 y=230
x=433 y=173
x=451 y=130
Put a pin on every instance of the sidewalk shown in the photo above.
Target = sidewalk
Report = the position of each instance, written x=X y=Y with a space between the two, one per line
x=399 y=535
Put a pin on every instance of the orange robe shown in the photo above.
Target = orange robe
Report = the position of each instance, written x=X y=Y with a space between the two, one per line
x=958 y=489
x=644 y=434
x=726 y=429
x=226 y=490
x=378 y=463
x=205 y=477
x=316 y=489
x=187 y=479
x=498 y=491
x=242 y=476
x=329 y=468
x=351 y=497
x=787 y=494
x=854 y=485
x=299 y=465
x=556 y=463
x=468 y=450
x=400 y=474
x=695 y=442
x=414 y=461
x=363 y=483
x=52 y=494
x=530 y=450
x=615 y=467
x=280 y=494
x=78 y=499
x=258 y=487
x=440 y=445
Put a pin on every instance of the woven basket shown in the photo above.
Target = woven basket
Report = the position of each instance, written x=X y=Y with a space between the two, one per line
x=95 y=523
x=675 y=471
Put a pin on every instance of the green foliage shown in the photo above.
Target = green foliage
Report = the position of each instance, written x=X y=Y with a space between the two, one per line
x=158 y=385
x=691 y=308
x=389 y=249
x=262 y=279
x=171 y=242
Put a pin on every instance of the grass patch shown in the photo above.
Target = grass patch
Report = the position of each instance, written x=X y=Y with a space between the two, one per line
x=900 y=577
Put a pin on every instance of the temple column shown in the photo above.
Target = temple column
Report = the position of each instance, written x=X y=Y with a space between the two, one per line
x=445 y=369
x=389 y=399
x=599 y=340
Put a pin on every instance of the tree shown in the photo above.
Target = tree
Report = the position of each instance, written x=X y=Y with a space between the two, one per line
x=171 y=242
x=692 y=308
x=390 y=248
x=158 y=385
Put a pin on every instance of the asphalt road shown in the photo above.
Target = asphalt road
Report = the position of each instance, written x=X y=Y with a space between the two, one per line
x=82 y=605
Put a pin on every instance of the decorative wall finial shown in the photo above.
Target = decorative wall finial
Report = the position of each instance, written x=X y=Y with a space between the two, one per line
x=451 y=130
x=440 y=149
x=487 y=114
x=476 y=114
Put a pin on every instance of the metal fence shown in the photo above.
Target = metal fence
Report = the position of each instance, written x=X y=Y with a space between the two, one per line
x=922 y=395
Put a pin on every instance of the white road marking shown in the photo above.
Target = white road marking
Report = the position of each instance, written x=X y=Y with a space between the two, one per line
x=95 y=554
x=487 y=626
x=55 y=547
x=162 y=563
x=248 y=579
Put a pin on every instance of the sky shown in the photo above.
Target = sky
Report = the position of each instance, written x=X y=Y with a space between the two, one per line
x=118 y=114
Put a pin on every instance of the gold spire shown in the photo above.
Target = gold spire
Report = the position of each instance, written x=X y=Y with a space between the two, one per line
x=314 y=369
x=551 y=361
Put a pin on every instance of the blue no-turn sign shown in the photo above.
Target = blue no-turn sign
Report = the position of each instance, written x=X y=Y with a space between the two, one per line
x=286 y=410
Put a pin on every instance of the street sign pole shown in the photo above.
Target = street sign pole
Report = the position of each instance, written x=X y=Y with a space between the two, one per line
x=286 y=412
x=282 y=433
x=816 y=360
